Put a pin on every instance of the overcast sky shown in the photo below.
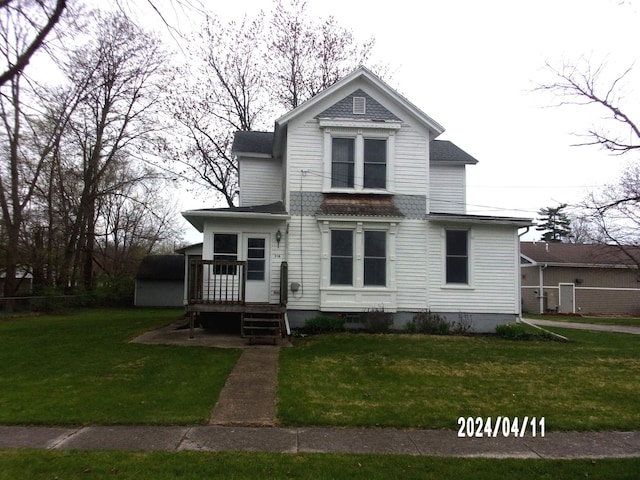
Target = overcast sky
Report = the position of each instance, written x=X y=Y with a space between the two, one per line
x=473 y=67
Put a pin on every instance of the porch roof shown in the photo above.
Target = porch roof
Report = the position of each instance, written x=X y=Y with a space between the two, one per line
x=271 y=211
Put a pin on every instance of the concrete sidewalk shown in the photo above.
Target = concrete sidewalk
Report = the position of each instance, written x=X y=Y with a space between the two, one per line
x=316 y=439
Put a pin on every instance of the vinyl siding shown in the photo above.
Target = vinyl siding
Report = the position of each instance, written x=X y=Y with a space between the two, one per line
x=493 y=272
x=304 y=245
x=447 y=188
x=410 y=162
x=260 y=181
x=411 y=266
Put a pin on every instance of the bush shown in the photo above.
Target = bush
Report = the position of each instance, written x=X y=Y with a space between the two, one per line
x=428 y=322
x=376 y=320
x=324 y=324
x=512 y=331
x=463 y=325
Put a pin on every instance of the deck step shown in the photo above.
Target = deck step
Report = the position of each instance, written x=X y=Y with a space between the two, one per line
x=267 y=325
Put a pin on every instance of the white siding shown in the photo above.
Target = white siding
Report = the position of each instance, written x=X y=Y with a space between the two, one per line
x=304 y=245
x=493 y=271
x=305 y=153
x=410 y=163
x=411 y=266
x=447 y=188
x=276 y=255
x=260 y=181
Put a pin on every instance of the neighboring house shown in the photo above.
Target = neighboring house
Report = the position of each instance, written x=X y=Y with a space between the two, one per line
x=579 y=278
x=160 y=281
x=356 y=201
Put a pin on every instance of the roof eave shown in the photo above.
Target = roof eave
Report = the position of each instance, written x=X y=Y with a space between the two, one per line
x=368 y=75
x=198 y=217
x=480 y=220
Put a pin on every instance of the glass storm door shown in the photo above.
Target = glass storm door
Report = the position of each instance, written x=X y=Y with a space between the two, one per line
x=256 y=252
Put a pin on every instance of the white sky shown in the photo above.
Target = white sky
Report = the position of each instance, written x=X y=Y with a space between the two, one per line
x=472 y=66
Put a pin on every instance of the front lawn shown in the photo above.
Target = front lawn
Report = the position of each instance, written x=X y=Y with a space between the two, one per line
x=592 y=383
x=252 y=465
x=80 y=369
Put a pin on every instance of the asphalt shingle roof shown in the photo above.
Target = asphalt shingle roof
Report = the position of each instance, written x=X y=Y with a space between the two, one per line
x=252 y=142
x=359 y=205
x=579 y=253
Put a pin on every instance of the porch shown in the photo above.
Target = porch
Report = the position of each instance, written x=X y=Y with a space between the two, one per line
x=220 y=286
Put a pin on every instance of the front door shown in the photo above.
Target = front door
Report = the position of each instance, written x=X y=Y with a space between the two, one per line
x=256 y=253
x=567 y=298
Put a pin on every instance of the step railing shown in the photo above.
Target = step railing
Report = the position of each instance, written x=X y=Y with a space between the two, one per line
x=217 y=282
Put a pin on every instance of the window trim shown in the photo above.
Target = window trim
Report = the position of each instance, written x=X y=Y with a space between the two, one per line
x=358 y=228
x=376 y=132
x=469 y=257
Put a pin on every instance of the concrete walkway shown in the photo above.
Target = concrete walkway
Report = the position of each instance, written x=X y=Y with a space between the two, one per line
x=316 y=439
x=248 y=397
x=585 y=326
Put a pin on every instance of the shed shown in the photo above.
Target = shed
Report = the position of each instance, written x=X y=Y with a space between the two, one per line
x=160 y=281
x=580 y=278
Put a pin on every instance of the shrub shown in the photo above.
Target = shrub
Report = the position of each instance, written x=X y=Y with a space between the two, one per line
x=428 y=322
x=324 y=324
x=376 y=320
x=463 y=324
x=512 y=331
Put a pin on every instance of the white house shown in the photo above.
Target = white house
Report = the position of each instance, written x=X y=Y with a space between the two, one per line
x=366 y=208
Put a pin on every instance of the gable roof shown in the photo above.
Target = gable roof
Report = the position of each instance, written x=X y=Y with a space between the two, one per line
x=579 y=254
x=374 y=111
x=370 y=78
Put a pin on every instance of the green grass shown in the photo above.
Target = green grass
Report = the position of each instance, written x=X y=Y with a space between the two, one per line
x=627 y=321
x=47 y=465
x=80 y=369
x=592 y=383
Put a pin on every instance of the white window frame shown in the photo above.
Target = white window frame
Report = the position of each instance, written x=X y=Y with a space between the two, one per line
x=470 y=259
x=358 y=227
x=359 y=131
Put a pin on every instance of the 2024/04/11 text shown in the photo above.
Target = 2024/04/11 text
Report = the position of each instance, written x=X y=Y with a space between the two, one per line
x=479 y=427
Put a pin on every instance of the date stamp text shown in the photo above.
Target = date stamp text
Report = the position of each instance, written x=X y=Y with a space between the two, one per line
x=481 y=427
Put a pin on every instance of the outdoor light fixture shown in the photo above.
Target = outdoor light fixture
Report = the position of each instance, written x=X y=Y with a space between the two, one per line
x=278 y=236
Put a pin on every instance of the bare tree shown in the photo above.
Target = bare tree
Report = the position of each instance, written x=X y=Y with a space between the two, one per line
x=305 y=56
x=582 y=84
x=611 y=215
x=33 y=21
x=123 y=65
x=240 y=75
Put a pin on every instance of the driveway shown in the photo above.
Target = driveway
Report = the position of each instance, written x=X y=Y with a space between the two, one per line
x=585 y=326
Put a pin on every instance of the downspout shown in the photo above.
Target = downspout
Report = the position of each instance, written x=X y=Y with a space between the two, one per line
x=520 y=235
x=541 y=290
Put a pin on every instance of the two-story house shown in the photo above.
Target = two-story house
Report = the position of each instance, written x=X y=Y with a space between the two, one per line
x=351 y=204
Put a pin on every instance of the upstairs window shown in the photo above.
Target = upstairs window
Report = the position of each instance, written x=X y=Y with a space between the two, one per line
x=342 y=162
x=375 y=163
x=457 y=261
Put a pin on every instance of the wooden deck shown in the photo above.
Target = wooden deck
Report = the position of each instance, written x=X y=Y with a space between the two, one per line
x=216 y=286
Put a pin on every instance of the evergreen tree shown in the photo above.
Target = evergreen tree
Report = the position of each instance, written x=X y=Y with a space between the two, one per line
x=555 y=223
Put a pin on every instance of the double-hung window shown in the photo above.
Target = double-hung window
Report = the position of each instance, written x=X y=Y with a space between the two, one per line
x=375 y=163
x=375 y=258
x=359 y=160
x=341 y=257
x=457 y=256
x=370 y=268
x=342 y=162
